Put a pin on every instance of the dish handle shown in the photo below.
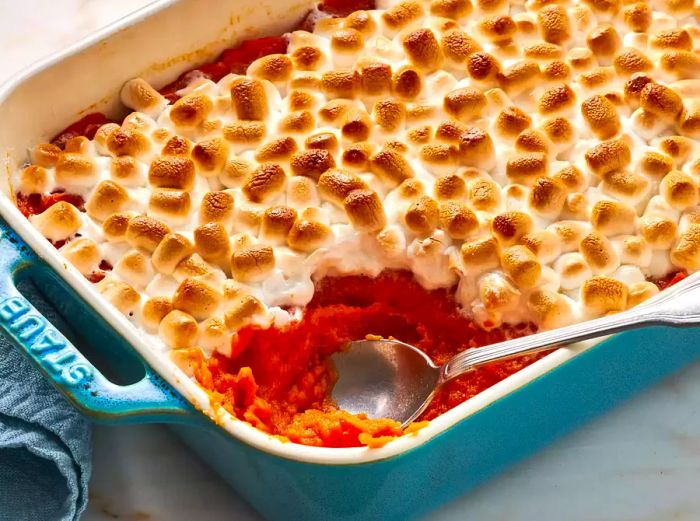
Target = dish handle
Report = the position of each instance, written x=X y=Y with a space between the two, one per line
x=149 y=400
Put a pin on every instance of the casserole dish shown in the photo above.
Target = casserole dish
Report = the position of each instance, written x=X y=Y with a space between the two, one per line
x=405 y=478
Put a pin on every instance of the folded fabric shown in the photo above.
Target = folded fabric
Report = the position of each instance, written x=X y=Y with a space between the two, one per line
x=44 y=441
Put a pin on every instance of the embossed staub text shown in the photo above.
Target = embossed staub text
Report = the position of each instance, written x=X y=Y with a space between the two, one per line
x=44 y=342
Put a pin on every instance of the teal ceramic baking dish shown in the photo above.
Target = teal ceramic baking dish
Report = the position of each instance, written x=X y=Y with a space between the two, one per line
x=403 y=480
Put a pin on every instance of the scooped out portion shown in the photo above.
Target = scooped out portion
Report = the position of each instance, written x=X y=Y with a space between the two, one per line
x=280 y=380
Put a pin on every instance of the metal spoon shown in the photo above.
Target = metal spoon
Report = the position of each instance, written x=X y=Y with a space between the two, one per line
x=392 y=379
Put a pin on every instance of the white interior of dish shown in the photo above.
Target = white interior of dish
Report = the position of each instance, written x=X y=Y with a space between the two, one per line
x=86 y=78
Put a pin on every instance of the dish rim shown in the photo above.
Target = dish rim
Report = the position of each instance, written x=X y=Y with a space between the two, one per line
x=171 y=373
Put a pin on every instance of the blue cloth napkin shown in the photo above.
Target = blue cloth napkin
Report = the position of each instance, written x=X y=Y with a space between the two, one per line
x=44 y=442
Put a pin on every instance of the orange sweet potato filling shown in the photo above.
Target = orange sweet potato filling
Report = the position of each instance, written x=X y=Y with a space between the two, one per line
x=280 y=380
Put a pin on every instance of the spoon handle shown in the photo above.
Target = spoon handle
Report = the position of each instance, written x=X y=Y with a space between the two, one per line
x=678 y=306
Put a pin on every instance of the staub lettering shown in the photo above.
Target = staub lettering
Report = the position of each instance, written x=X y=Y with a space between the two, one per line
x=44 y=342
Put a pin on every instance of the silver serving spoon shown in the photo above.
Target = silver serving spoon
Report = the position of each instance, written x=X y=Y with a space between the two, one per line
x=392 y=379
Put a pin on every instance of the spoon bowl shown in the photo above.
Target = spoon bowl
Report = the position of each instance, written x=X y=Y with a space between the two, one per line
x=384 y=379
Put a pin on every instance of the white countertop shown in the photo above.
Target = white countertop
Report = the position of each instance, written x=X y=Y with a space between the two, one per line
x=640 y=462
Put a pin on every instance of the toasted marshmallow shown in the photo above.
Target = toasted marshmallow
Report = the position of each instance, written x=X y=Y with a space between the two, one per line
x=572 y=270
x=453 y=9
x=46 y=154
x=34 y=179
x=249 y=99
x=465 y=104
x=608 y=156
x=601 y=116
x=355 y=125
x=633 y=250
x=572 y=178
x=276 y=223
x=679 y=190
x=264 y=183
x=479 y=255
x=544 y=244
x=510 y=227
x=137 y=94
x=547 y=197
x=554 y=23
x=511 y=121
x=613 y=217
x=686 y=253
x=340 y=83
x=191 y=266
x=275 y=68
x=658 y=231
x=570 y=233
x=497 y=28
x=484 y=194
x=601 y=295
x=599 y=254
x=457 y=220
x=476 y=149
x=83 y=253
x=178 y=330
x=217 y=207
x=518 y=77
x=197 y=298
x=58 y=222
x=560 y=132
x=135 y=268
x=638 y=16
x=390 y=166
x=307 y=235
x=375 y=78
x=641 y=291
x=526 y=168
x=127 y=142
x=389 y=114
x=322 y=141
x=449 y=186
x=106 y=199
x=422 y=216
x=211 y=242
x=169 y=205
x=484 y=68
x=365 y=210
x=172 y=172
x=629 y=61
x=361 y=21
x=154 y=311
x=244 y=134
x=336 y=184
x=243 y=310
x=457 y=46
x=678 y=147
x=422 y=49
x=661 y=101
x=550 y=309
x=192 y=110
x=252 y=264
x=276 y=151
x=402 y=15
x=75 y=170
x=521 y=265
x=626 y=186
x=122 y=296
x=559 y=99
x=146 y=232
x=114 y=227
x=210 y=156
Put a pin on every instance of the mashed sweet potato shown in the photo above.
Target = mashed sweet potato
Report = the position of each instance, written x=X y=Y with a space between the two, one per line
x=280 y=380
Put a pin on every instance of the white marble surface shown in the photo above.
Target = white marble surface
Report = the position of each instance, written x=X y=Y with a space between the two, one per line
x=641 y=462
